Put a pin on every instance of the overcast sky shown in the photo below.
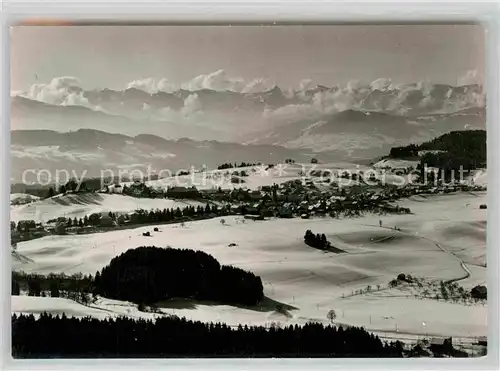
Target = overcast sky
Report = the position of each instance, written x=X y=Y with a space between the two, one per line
x=111 y=56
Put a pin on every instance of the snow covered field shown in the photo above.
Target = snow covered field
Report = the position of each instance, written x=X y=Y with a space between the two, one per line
x=444 y=239
x=258 y=176
x=80 y=204
x=22 y=198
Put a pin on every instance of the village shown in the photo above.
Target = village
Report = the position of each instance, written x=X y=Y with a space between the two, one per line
x=316 y=195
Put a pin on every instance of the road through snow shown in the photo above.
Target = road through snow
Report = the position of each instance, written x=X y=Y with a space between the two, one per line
x=439 y=246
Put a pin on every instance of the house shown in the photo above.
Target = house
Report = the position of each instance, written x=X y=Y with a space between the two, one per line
x=183 y=192
x=434 y=151
x=208 y=192
x=60 y=228
x=281 y=197
x=254 y=217
x=304 y=205
x=440 y=345
x=106 y=221
x=239 y=194
x=266 y=199
x=122 y=219
x=286 y=211
x=294 y=197
x=255 y=195
x=235 y=208
x=254 y=209
x=482 y=340
x=116 y=188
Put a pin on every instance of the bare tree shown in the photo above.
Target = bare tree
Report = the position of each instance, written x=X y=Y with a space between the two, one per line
x=331 y=316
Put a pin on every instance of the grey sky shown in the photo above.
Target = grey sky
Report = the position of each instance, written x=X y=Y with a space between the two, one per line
x=111 y=56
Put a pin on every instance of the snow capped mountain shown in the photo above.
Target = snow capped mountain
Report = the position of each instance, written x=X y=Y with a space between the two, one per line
x=353 y=118
x=357 y=133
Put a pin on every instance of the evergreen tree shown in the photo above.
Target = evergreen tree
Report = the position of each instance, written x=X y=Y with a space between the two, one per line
x=323 y=239
x=34 y=288
x=50 y=192
x=16 y=289
x=54 y=289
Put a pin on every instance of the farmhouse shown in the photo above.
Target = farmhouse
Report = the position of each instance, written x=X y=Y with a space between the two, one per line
x=106 y=221
x=482 y=340
x=254 y=217
x=60 y=228
x=122 y=219
x=440 y=345
x=209 y=192
x=183 y=192
x=423 y=152
x=286 y=210
x=115 y=188
x=254 y=209
x=256 y=195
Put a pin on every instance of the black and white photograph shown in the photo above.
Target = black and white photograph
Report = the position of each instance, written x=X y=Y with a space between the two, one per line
x=248 y=190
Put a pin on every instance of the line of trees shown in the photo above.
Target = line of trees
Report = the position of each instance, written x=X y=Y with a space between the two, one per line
x=455 y=143
x=404 y=151
x=146 y=275
x=140 y=216
x=61 y=337
x=78 y=287
x=166 y=215
x=229 y=165
x=458 y=149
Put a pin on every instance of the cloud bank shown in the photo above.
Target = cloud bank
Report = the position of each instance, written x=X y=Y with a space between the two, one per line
x=65 y=91
x=152 y=86
x=470 y=78
x=218 y=80
x=381 y=94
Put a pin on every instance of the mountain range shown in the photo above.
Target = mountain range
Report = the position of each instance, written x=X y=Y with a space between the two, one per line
x=352 y=122
x=91 y=151
x=359 y=134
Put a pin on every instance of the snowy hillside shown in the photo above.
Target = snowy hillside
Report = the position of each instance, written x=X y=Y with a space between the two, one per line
x=310 y=281
x=391 y=163
x=22 y=198
x=254 y=178
x=95 y=153
x=80 y=204
x=480 y=177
